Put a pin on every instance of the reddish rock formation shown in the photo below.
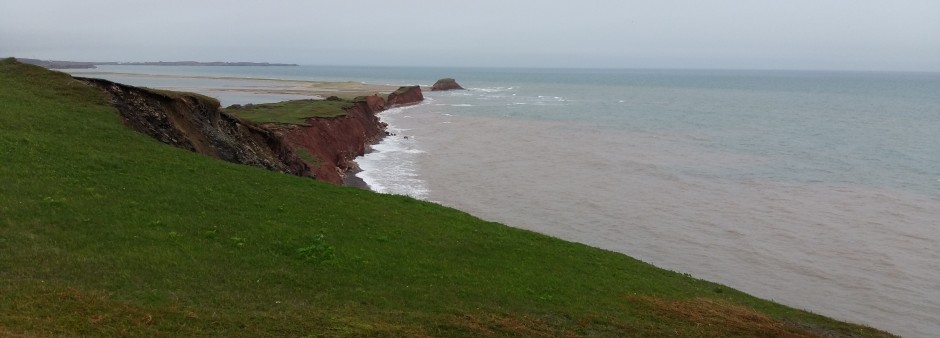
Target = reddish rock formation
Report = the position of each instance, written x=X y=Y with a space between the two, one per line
x=445 y=84
x=374 y=102
x=195 y=122
x=336 y=141
x=405 y=96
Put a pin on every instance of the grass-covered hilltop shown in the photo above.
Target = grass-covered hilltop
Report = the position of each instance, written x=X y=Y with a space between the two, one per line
x=106 y=232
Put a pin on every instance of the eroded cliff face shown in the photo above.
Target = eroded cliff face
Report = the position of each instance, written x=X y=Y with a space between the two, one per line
x=196 y=123
x=405 y=96
x=326 y=146
x=336 y=141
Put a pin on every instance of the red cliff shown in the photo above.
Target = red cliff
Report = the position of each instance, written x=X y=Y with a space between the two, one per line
x=405 y=96
x=336 y=141
x=323 y=148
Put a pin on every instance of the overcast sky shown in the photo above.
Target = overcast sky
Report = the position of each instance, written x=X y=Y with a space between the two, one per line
x=738 y=34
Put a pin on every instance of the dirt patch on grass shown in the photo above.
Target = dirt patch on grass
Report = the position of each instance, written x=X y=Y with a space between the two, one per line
x=4 y=332
x=502 y=325
x=369 y=327
x=707 y=317
x=98 y=310
x=75 y=313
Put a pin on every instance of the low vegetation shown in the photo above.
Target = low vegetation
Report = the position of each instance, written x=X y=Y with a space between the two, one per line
x=106 y=232
x=402 y=90
x=309 y=158
x=290 y=112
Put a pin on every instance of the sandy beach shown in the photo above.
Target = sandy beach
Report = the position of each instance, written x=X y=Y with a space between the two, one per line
x=231 y=90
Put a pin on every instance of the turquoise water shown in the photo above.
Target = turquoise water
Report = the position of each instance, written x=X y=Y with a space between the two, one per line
x=820 y=190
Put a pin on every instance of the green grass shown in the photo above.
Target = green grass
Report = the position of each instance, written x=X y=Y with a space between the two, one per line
x=106 y=232
x=309 y=158
x=402 y=90
x=290 y=112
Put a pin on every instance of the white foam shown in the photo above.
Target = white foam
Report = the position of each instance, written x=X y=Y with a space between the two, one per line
x=391 y=166
x=491 y=89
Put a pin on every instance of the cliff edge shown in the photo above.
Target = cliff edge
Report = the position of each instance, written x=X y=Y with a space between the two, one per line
x=328 y=134
x=406 y=95
x=196 y=123
x=321 y=147
x=330 y=144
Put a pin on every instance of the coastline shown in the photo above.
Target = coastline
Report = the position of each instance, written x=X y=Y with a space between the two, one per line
x=258 y=87
x=695 y=221
x=351 y=180
x=261 y=90
x=390 y=165
x=354 y=180
x=421 y=212
x=351 y=177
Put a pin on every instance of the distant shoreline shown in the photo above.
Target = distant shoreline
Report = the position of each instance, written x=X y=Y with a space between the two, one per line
x=302 y=89
x=91 y=65
x=196 y=63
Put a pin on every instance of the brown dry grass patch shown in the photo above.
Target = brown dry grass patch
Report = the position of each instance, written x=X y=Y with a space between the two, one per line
x=4 y=332
x=71 y=312
x=502 y=325
x=99 y=310
x=708 y=317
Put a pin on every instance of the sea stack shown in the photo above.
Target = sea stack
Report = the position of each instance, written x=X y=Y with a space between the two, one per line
x=445 y=84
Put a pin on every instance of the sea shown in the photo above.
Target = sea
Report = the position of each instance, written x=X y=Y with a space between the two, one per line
x=819 y=190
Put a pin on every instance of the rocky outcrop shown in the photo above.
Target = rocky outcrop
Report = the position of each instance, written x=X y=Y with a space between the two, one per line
x=335 y=142
x=445 y=84
x=195 y=122
x=374 y=102
x=405 y=96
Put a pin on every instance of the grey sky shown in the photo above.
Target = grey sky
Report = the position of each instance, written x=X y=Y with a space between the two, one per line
x=764 y=34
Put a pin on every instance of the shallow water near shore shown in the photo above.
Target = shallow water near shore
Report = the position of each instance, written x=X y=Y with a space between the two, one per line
x=817 y=190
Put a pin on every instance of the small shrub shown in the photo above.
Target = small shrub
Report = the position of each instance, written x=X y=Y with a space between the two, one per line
x=239 y=241
x=318 y=251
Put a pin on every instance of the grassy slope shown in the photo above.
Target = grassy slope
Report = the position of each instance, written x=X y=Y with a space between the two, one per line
x=293 y=112
x=104 y=231
x=402 y=90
